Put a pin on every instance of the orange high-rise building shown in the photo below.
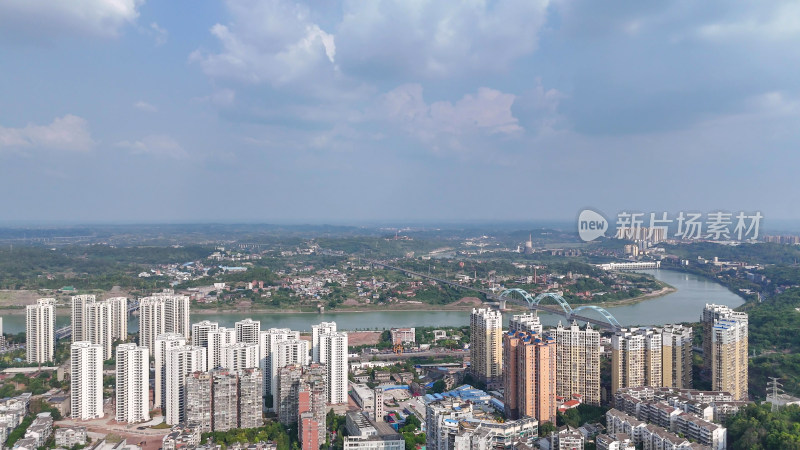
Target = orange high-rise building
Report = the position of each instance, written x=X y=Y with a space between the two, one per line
x=529 y=368
x=308 y=426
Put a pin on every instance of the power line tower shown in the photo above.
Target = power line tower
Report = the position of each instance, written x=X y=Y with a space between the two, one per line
x=774 y=389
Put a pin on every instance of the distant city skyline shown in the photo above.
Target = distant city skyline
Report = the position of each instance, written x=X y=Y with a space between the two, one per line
x=352 y=112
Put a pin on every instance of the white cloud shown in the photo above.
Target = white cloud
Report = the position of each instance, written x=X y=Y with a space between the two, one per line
x=144 y=106
x=222 y=98
x=156 y=145
x=69 y=133
x=159 y=34
x=272 y=41
x=437 y=38
x=537 y=109
x=488 y=112
x=763 y=21
x=66 y=17
x=278 y=41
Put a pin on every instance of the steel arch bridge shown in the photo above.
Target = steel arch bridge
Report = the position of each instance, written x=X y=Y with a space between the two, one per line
x=569 y=312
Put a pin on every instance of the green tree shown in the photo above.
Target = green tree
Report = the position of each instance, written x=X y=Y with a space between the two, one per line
x=756 y=427
x=438 y=387
x=546 y=428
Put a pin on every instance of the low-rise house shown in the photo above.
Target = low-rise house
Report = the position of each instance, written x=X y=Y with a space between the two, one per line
x=181 y=437
x=40 y=429
x=618 y=441
x=702 y=431
x=68 y=437
x=26 y=444
x=567 y=438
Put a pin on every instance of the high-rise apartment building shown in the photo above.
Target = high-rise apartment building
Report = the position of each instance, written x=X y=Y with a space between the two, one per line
x=247 y=330
x=86 y=380
x=329 y=347
x=486 y=345
x=132 y=383
x=333 y=350
x=180 y=361
x=636 y=358
x=217 y=340
x=292 y=381
x=221 y=400
x=251 y=398
x=676 y=352
x=529 y=361
x=176 y=313
x=97 y=325
x=525 y=322
x=162 y=313
x=307 y=424
x=712 y=313
x=293 y=351
x=268 y=343
x=40 y=321
x=725 y=347
x=577 y=362
x=163 y=344
x=200 y=332
x=119 y=318
x=312 y=402
x=99 y=322
x=729 y=356
x=317 y=331
x=199 y=402
x=653 y=357
x=79 y=303
x=239 y=356
x=225 y=400
x=151 y=321
x=286 y=400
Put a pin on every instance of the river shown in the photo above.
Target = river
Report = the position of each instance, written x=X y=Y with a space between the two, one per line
x=684 y=305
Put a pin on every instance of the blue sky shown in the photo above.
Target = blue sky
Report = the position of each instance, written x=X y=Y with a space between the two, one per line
x=353 y=111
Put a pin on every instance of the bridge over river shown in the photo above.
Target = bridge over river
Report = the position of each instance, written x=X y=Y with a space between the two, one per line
x=523 y=298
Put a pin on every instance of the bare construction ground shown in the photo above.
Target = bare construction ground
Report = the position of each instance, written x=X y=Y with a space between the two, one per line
x=13 y=301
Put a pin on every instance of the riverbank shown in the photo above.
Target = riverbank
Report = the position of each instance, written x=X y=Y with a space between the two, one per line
x=458 y=306
x=683 y=302
x=729 y=283
x=21 y=311
x=465 y=304
x=423 y=307
x=666 y=290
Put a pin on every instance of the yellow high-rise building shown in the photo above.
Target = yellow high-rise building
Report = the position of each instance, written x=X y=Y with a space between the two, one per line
x=729 y=357
x=577 y=362
x=636 y=358
x=676 y=356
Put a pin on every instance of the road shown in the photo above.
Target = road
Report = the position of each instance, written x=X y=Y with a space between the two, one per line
x=407 y=355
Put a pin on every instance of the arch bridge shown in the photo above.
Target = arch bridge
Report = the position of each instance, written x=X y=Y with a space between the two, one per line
x=534 y=303
x=570 y=313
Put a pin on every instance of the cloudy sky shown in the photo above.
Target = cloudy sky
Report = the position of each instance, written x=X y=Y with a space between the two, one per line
x=408 y=110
